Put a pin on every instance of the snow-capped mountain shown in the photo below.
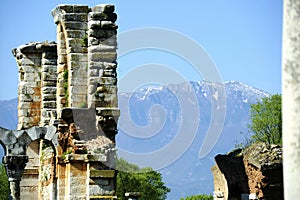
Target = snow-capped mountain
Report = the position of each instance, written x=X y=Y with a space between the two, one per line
x=177 y=117
x=176 y=108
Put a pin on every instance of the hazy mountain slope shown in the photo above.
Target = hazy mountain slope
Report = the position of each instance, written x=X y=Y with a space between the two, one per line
x=9 y=113
x=188 y=174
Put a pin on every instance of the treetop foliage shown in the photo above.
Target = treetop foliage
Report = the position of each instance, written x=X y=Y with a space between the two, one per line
x=266 y=122
x=198 y=197
x=146 y=181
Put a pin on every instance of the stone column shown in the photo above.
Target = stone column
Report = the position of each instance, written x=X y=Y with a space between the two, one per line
x=48 y=82
x=291 y=98
x=102 y=55
x=29 y=62
x=15 y=166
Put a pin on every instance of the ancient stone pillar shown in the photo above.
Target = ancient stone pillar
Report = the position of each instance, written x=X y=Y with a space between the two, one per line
x=291 y=98
x=37 y=83
x=72 y=66
x=102 y=55
x=48 y=83
x=15 y=166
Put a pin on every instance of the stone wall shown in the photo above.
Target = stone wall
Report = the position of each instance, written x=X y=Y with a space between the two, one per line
x=254 y=173
x=230 y=179
x=69 y=86
x=37 y=83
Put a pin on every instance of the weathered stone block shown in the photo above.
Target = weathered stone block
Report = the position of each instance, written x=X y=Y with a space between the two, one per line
x=80 y=9
x=94 y=24
x=81 y=17
x=103 y=57
x=78 y=82
x=74 y=42
x=75 y=33
x=79 y=73
x=102 y=16
x=93 y=72
x=108 y=25
x=32 y=77
x=101 y=48
x=49 y=77
x=108 y=41
x=49 y=69
x=49 y=83
x=107 y=89
x=77 y=57
x=77 y=100
x=65 y=7
x=49 y=97
x=62 y=59
x=75 y=25
x=49 y=104
x=107 y=8
x=28 y=84
x=108 y=81
x=49 y=90
x=77 y=49
x=61 y=51
x=101 y=33
x=76 y=65
x=78 y=90
x=109 y=65
x=109 y=73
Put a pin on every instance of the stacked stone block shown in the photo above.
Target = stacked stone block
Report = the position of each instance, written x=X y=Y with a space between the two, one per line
x=72 y=86
x=72 y=66
x=102 y=91
x=48 y=85
x=102 y=56
x=37 y=83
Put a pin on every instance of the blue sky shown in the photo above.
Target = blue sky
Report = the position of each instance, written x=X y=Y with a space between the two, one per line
x=243 y=38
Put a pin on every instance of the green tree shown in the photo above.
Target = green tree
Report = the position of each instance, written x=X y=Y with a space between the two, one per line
x=148 y=182
x=266 y=120
x=4 y=188
x=198 y=197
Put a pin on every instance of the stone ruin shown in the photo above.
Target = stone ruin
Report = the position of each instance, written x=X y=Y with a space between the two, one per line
x=254 y=173
x=64 y=146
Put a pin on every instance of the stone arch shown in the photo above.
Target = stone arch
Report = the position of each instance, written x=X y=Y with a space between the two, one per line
x=72 y=65
x=39 y=173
